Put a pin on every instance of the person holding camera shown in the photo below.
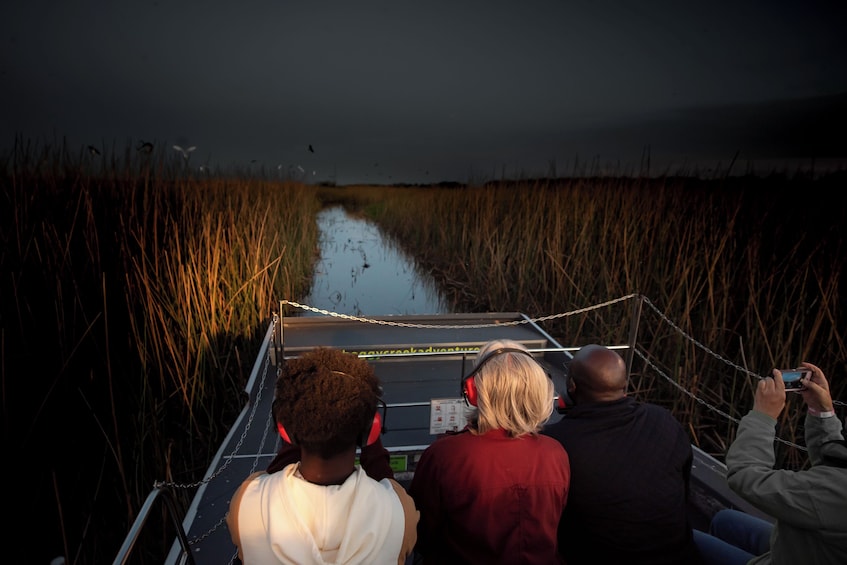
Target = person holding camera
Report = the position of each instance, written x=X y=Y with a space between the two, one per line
x=810 y=505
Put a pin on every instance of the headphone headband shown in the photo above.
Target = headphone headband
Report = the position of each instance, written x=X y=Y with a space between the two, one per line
x=494 y=353
x=469 y=388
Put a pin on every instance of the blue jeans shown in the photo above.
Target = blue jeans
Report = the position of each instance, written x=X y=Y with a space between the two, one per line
x=715 y=551
x=734 y=538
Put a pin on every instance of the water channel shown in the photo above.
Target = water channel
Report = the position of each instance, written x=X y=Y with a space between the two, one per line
x=363 y=273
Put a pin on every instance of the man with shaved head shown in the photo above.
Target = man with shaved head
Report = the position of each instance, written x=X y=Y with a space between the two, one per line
x=600 y=374
x=630 y=468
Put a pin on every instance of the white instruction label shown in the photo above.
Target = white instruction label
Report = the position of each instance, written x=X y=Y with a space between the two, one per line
x=446 y=415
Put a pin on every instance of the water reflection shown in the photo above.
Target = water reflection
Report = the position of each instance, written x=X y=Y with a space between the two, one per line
x=361 y=273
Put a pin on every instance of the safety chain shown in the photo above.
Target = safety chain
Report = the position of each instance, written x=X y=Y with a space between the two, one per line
x=236 y=449
x=700 y=400
x=646 y=300
x=715 y=355
x=210 y=531
x=643 y=298
x=240 y=439
x=453 y=326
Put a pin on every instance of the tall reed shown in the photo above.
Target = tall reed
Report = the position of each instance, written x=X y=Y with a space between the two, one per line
x=750 y=273
x=133 y=290
x=132 y=297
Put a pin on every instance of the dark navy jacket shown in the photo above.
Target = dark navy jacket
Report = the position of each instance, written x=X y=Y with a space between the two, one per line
x=630 y=469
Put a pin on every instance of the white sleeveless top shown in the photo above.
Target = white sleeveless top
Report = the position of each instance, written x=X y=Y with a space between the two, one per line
x=283 y=518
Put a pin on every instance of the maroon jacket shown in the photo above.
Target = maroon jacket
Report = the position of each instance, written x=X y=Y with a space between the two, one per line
x=490 y=498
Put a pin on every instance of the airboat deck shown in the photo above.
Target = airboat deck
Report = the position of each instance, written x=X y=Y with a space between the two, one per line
x=420 y=360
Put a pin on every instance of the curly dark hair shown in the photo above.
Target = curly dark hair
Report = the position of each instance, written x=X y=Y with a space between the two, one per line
x=326 y=400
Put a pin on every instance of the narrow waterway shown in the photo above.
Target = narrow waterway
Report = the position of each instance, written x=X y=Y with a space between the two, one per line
x=362 y=273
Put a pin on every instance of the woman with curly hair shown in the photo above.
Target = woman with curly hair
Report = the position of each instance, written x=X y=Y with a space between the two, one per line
x=314 y=504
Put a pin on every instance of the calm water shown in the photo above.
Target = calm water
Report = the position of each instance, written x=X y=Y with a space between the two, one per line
x=363 y=274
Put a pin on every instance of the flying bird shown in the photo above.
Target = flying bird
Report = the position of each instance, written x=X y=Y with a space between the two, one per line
x=145 y=147
x=93 y=150
x=185 y=151
x=311 y=150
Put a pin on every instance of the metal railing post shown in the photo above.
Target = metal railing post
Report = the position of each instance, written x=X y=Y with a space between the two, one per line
x=141 y=519
x=633 y=332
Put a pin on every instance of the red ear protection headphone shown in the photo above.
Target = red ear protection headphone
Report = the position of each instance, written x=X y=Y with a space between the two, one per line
x=561 y=404
x=468 y=383
x=373 y=432
x=283 y=434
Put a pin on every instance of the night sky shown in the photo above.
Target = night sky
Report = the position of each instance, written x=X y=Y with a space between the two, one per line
x=393 y=91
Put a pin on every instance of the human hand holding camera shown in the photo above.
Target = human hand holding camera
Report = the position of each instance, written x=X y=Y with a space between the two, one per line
x=770 y=395
x=815 y=391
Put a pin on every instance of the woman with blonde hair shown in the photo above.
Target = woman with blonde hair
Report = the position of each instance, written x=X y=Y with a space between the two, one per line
x=494 y=492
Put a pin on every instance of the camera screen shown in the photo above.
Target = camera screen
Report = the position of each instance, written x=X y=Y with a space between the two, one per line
x=792 y=379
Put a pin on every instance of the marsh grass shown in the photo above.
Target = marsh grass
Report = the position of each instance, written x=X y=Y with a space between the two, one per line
x=133 y=295
x=133 y=291
x=749 y=267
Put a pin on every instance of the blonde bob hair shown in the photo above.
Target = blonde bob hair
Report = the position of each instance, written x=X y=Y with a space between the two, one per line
x=513 y=391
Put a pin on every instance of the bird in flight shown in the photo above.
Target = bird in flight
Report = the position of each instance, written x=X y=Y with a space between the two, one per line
x=185 y=151
x=311 y=150
x=145 y=147
x=93 y=150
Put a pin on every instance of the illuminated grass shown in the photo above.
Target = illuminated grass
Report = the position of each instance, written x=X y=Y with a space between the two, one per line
x=133 y=295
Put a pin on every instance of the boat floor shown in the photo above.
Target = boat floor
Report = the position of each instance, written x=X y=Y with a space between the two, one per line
x=416 y=364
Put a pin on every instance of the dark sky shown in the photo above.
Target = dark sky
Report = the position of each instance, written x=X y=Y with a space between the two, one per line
x=398 y=91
